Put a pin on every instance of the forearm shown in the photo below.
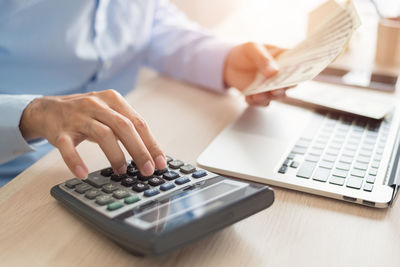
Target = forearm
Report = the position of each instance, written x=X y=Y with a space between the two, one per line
x=182 y=49
x=12 y=143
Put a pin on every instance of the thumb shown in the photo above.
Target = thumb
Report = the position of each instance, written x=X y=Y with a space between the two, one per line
x=263 y=59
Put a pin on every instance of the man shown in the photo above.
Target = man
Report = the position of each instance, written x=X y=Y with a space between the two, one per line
x=57 y=58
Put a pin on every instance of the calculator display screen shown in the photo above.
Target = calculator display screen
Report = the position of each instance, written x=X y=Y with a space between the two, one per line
x=186 y=206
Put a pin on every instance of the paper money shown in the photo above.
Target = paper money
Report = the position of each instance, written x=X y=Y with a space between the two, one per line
x=314 y=54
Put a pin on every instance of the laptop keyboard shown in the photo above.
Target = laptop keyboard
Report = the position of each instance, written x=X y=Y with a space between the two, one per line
x=341 y=150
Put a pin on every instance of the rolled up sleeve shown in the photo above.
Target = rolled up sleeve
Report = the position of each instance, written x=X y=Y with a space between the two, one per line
x=12 y=143
x=182 y=49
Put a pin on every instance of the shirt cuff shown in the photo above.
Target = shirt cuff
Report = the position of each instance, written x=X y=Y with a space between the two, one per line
x=12 y=143
x=210 y=63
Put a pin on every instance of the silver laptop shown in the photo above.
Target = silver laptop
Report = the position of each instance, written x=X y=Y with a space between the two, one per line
x=325 y=153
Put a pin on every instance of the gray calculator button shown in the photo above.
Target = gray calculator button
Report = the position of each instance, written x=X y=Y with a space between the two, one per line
x=169 y=159
x=71 y=183
x=175 y=164
x=104 y=199
x=82 y=188
x=186 y=169
x=109 y=188
x=92 y=193
x=120 y=193
x=97 y=181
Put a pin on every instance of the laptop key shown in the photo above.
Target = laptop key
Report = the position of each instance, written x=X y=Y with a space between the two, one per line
x=282 y=169
x=329 y=158
x=370 y=179
x=336 y=180
x=306 y=169
x=299 y=150
x=326 y=164
x=321 y=174
x=346 y=159
x=340 y=173
x=358 y=173
x=373 y=172
x=354 y=182
x=343 y=166
x=312 y=158
x=294 y=164
x=368 y=187
x=360 y=166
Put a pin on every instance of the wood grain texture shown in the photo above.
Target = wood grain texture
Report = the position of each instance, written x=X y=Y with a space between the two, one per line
x=298 y=230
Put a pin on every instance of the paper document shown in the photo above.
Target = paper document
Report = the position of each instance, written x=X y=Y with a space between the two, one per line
x=314 y=54
x=354 y=100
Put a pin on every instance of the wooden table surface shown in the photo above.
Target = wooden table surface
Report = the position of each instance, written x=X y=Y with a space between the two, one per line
x=299 y=229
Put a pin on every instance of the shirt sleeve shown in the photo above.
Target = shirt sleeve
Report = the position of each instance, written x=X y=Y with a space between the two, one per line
x=12 y=143
x=182 y=49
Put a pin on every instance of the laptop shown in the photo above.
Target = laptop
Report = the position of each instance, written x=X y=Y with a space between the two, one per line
x=332 y=154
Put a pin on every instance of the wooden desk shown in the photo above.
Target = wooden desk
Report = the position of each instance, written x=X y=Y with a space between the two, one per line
x=298 y=230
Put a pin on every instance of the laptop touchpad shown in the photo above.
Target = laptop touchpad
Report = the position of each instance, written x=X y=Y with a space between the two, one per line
x=278 y=121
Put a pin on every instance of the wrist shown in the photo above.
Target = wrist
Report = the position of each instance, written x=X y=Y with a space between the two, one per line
x=29 y=123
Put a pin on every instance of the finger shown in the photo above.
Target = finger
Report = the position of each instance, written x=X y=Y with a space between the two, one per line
x=126 y=132
x=70 y=156
x=263 y=59
x=119 y=104
x=105 y=137
x=262 y=99
x=275 y=51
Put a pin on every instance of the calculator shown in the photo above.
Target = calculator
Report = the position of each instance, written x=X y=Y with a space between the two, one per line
x=153 y=215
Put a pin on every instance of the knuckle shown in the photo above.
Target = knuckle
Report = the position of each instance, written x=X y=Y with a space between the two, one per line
x=103 y=132
x=89 y=100
x=124 y=123
x=61 y=140
x=140 y=123
x=112 y=94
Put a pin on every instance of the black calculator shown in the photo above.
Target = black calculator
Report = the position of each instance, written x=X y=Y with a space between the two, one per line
x=152 y=215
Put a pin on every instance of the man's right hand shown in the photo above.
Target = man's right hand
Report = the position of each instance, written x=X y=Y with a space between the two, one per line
x=103 y=117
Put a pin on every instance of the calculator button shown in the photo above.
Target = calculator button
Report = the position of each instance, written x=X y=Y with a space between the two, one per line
x=140 y=187
x=171 y=175
x=104 y=199
x=120 y=193
x=144 y=178
x=199 y=174
x=182 y=180
x=151 y=192
x=167 y=186
x=92 y=193
x=106 y=172
x=109 y=188
x=128 y=182
x=118 y=177
x=132 y=163
x=169 y=159
x=82 y=188
x=160 y=172
x=175 y=164
x=132 y=199
x=97 y=181
x=186 y=169
x=155 y=181
x=71 y=183
x=132 y=171
x=115 y=205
